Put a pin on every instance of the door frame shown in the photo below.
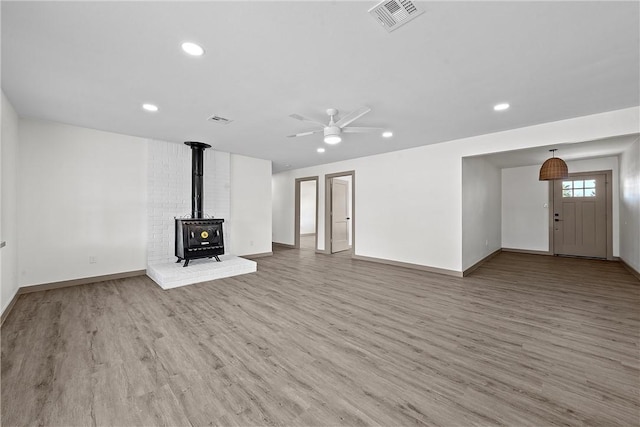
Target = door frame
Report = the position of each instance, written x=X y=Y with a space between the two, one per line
x=608 y=185
x=327 y=209
x=296 y=221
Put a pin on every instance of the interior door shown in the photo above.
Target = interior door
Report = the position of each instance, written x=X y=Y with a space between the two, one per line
x=580 y=216
x=339 y=215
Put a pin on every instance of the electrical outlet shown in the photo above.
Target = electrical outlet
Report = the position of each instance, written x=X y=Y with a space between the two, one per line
x=93 y=259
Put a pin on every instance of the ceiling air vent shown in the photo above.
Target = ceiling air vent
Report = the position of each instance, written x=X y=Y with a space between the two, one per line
x=218 y=119
x=392 y=14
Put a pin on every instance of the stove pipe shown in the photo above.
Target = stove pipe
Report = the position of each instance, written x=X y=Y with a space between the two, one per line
x=197 y=172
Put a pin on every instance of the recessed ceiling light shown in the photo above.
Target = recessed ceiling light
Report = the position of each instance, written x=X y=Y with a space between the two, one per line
x=150 y=107
x=501 y=107
x=387 y=134
x=332 y=139
x=192 y=49
x=320 y=150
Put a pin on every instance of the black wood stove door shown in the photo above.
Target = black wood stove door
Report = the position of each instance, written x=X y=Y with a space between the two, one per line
x=204 y=235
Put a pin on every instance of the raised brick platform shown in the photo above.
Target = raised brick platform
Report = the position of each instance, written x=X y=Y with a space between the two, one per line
x=173 y=275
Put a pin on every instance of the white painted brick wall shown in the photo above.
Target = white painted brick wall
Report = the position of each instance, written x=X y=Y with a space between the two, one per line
x=169 y=186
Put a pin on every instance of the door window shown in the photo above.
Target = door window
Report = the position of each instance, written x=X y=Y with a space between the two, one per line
x=579 y=188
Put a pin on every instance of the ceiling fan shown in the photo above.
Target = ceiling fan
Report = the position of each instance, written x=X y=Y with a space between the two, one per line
x=333 y=130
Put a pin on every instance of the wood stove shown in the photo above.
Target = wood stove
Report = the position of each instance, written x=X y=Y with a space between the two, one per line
x=198 y=237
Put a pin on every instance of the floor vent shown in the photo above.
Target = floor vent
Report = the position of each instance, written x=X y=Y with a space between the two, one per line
x=218 y=119
x=392 y=14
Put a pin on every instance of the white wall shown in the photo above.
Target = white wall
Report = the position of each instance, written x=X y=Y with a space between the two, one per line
x=169 y=189
x=630 y=206
x=307 y=207
x=421 y=207
x=251 y=222
x=8 y=204
x=82 y=193
x=481 y=210
x=525 y=220
x=525 y=209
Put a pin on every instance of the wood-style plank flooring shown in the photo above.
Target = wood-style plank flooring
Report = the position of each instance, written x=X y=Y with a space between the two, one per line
x=314 y=340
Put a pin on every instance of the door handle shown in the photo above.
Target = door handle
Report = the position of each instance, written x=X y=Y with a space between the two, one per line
x=556 y=220
x=348 y=218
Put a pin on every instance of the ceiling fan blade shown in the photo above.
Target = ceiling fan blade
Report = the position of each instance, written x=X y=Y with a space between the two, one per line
x=306 y=119
x=353 y=129
x=311 y=132
x=354 y=115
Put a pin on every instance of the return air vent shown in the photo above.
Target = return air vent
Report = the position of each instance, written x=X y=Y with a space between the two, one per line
x=218 y=119
x=392 y=14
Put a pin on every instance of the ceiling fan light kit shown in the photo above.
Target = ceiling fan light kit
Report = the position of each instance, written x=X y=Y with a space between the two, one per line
x=332 y=135
x=332 y=139
x=553 y=168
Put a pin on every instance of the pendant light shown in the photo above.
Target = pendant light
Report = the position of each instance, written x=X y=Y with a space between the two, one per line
x=553 y=168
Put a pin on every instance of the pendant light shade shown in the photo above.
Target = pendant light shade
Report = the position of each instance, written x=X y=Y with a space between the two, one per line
x=553 y=168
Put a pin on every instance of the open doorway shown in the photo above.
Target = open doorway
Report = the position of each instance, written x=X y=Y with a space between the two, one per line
x=306 y=213
x=340 y=212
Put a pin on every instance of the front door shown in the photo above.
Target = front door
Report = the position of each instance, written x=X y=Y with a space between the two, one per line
x=339 y=215
x=580 y=216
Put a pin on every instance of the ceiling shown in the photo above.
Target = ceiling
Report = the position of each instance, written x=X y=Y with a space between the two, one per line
x=569 y=151
x=435 y=79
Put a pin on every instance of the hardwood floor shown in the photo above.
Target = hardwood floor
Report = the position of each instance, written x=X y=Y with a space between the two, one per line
x=325 y=340
x=308 y=242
